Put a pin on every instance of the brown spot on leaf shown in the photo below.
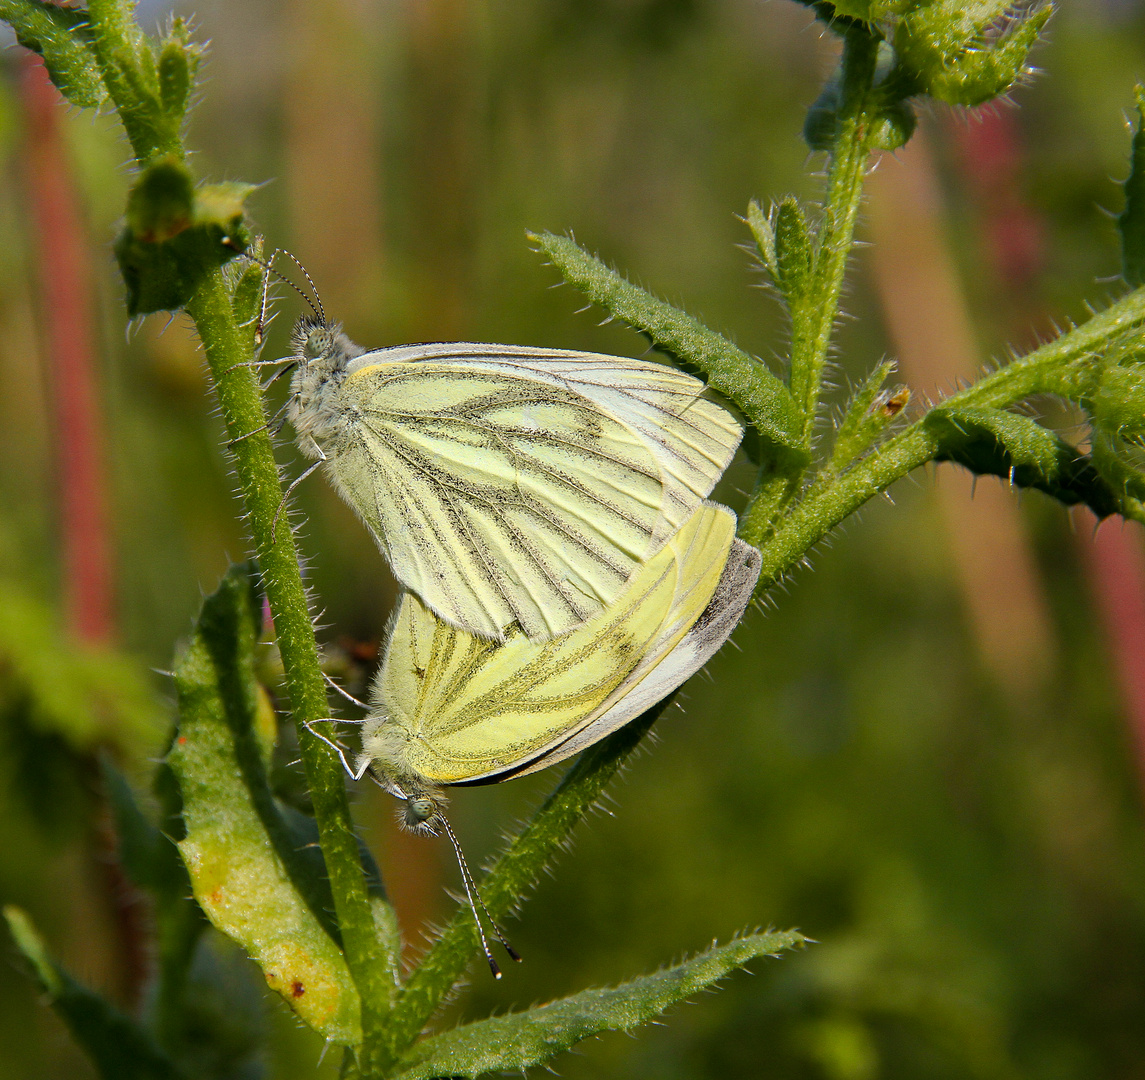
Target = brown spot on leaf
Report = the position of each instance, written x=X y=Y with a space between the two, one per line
x=297 y=989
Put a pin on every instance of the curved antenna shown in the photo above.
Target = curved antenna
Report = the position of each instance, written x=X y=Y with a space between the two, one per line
x=475 y=900
x=305 y=273
x=315 y=305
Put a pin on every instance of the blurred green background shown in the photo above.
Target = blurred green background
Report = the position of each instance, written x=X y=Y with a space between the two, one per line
x=918 y=752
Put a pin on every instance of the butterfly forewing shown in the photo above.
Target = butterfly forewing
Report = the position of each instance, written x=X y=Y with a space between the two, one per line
x=517 y=485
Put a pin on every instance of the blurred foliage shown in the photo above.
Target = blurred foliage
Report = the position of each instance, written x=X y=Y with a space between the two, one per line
x=969 y=858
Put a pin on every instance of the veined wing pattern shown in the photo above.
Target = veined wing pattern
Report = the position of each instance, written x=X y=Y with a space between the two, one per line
x=456 y=708
x=509 y=484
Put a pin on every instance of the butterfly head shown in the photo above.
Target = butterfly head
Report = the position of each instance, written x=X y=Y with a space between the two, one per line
x=422 y=812
x=321 y=346
x=321 y=352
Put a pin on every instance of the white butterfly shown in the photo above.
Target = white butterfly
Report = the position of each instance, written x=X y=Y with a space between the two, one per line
x=453 y=708
x=508 y=485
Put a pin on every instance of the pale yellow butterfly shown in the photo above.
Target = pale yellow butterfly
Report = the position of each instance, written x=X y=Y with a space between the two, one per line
x=508 y=485
x=453 y=708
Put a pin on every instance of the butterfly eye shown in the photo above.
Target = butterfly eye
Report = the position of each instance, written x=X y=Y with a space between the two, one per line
x=315 y=346
x=419 y=810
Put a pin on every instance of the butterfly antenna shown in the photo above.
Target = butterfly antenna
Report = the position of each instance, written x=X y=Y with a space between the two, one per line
x=315 y=305
x=306 y=274
x=475 y=901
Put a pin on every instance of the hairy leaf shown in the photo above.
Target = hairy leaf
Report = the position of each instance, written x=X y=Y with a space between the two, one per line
x=1123 y=468
x=764 y=233
x=839 y=14
x=521 y=1040
x=967 y=53
x=62 y=36
x=999 y=443
x=794 y=251
x=179 y=59
x=871 y=410
x=118 y=1047
x=1118 y=403
x=246 y=295
x=763 y=398
x=246 y=870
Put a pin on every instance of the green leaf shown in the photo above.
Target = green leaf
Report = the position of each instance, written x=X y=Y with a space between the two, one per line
x=117 y=1046
x=1132 y=219
x=955 y=52
x=786 y=247
x=176 y=234
x=521 y=1040
x=853 y=9
x=764 y=399
x=764 y=233
x=1118 y=404
x=62 y=36
x=999 y=443
x=179 y=59
x=871 y=410
x=839 y=14
x=246 y=871
x=1123 y=468
x=794 y=251
x=246 y=298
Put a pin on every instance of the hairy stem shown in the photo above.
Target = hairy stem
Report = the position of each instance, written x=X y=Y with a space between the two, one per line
x=257 y=472
x=814 y=312
x=1065 y=367
x=814 y=320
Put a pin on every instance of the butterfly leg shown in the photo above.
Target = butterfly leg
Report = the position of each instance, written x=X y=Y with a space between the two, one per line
x=278 y=418
x=349 y=697
x=355 y=774
x=289 y=490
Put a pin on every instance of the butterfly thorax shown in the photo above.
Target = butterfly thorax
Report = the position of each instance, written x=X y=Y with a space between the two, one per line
x=322 y=353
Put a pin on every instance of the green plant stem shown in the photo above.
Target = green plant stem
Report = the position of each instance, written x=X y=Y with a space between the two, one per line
x=226 y=347
x=1066 y=366
x=814 y=319
x=129 y=69
x=127 y=65
x=773 y=491
x=814 y=311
